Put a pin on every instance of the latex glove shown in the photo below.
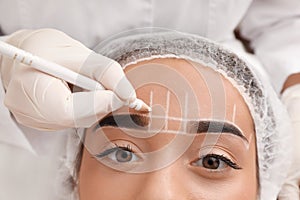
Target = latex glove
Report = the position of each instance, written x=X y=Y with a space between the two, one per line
x=290 y=189
x=44 y=102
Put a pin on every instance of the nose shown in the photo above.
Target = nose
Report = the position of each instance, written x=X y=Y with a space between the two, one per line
x=164 y=184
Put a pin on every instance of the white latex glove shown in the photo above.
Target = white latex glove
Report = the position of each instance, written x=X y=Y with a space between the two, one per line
x=44 y=102
x=290 y=189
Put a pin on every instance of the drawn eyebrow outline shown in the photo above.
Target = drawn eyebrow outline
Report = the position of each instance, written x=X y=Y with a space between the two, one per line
x=138 y=121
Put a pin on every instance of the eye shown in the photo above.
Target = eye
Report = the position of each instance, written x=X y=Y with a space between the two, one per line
x=119 y=154
x=122 y=155
x=215 y=162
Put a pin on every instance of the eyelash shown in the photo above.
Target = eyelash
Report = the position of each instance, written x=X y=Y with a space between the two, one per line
x=114 y=149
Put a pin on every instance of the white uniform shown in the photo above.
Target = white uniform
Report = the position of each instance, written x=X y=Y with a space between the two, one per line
x=272 y=26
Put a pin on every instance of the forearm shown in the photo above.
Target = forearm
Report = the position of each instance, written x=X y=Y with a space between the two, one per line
x=273 y=29
x=291 y=99
x=291 y=81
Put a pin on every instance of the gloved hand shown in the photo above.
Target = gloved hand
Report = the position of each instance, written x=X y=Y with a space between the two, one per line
x=44 y=102
x=290 y=189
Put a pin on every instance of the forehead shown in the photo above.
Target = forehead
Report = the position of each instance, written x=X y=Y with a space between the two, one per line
x=181 y=80
x=179 y=90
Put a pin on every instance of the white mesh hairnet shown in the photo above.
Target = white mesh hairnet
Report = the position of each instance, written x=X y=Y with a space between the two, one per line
x=271 y=121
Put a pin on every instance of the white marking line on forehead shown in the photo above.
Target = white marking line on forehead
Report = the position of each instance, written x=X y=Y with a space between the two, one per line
x=234 y=113
x=179 y=118
x=185 y=112
x=184 y=121
x=150 y=104
x=249 y=141
x=167 y=109
x=154 y=131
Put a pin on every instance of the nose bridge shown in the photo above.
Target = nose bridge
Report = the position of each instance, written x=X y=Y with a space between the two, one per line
x=164 y=184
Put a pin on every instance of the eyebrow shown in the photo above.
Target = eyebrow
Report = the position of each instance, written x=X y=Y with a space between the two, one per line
x=140 y=122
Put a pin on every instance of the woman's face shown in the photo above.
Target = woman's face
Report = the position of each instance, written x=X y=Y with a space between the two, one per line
x=197 y=143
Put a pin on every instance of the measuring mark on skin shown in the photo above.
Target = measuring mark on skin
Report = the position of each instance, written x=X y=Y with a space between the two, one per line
x=154 y=131
x=167 y=109
x=185 y=112
x=150 y=104
x=174 y=118
x=234 y=113
x=249 y=139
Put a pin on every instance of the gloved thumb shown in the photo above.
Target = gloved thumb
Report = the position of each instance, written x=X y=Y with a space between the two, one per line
x=46 y=103
x=89 y=107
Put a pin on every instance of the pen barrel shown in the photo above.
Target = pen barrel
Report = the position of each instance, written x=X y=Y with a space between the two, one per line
x=65 y=74
x=15 y=53
x=49 y=67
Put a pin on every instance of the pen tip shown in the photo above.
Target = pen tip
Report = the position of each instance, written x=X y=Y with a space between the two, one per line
x=145 y=108
x=140 y=106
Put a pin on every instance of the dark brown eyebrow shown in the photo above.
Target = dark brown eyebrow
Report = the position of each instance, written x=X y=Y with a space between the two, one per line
x=137 y=121
x=133 y=121
x=210 y=126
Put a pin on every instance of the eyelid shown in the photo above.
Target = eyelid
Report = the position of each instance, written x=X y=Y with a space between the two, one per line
x=120 y=144
x=231 y=147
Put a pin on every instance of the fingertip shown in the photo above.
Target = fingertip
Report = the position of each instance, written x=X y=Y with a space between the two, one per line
x=146 y=108
x=140 y=106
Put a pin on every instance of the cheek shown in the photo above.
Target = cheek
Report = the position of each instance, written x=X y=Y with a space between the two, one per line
x=242 y=186
x=245 y=184
x=98 y=182
x=249 y=183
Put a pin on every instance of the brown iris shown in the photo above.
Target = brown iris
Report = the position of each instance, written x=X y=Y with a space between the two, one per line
x=210 y=162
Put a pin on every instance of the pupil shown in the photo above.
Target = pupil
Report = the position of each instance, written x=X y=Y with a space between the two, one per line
x=123 y=156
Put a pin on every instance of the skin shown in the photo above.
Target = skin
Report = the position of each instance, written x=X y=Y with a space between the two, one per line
x=292 y=80
x=167 y=165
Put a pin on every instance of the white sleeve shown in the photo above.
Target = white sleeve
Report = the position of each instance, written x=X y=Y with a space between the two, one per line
x=3 y=38
x=10 y=132
x=273 y=29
